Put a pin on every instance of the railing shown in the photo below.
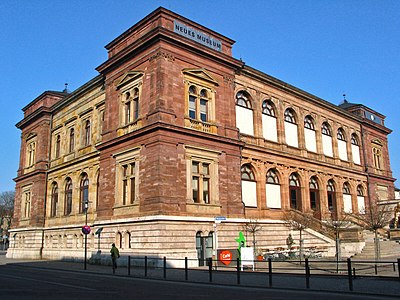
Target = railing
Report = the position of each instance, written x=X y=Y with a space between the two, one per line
x=268 y=273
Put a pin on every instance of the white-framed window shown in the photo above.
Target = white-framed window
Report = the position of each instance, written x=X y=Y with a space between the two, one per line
x=199 y=103
x=309 y=134
x=244 y=113
x=360 y=199
x=249 y=186
x=347 y=204
x=201 y=180
x=291 y=132
x=342 y=144
x=273 y=189
x=131 y=105
x=327 y=139
x=269 y=121
x=355 y=149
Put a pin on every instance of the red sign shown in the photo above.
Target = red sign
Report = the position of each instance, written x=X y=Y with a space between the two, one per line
x=86 y=229
x=225 y=257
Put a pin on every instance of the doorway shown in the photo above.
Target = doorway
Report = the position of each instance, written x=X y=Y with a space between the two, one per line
x=204 y=247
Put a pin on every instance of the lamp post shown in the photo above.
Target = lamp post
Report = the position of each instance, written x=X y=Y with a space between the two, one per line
x=86 y=233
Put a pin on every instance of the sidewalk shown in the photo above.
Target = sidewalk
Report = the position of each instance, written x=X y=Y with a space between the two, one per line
x=286 y=279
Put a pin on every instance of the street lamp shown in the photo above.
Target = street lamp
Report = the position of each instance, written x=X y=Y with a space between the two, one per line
x=86 y=231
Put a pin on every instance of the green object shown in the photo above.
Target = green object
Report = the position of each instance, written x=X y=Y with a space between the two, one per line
x=241 y=242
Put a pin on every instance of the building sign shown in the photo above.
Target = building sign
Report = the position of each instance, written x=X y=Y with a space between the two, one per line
x=225 y=257
x=197 y=36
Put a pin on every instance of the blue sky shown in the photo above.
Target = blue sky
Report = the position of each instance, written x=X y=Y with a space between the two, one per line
x=326 y=48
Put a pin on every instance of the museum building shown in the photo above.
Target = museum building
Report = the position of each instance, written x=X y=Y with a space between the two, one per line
x=176 y=146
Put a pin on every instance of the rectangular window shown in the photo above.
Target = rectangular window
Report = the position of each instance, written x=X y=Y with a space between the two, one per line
x=195 y=189
x=127 y=112
x=203 y=110
x=201 y=182
x=128 y=183
x=192 y=107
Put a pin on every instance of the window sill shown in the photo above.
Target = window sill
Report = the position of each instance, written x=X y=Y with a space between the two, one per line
x=200 y=125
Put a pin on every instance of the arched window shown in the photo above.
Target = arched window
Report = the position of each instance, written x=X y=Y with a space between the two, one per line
x=331 y=195
x=269 y=121
x=377 y=155
x=87 y=133
x=360 y=199
x=347 y=204
x=71 y=140
x=127 y=241
x=249 y=186
x=135 y=103
x=54 y=200
x=294 y=191
x=355 y=149
x=128 y=110
x=309 y=134
x=118 y=240
x=314 y=193
x=244 y=113
x=327 y=139
x=97 y=189
x=273 y=189
x=268 y=108
x=31 y=154
x=84 y=193
x=199 y=99
x=291 y=132
x=243 y=99
x=68 y=197
x=342 y=145
x=58 y=146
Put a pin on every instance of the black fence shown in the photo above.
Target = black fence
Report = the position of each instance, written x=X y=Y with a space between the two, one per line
x=266 y=273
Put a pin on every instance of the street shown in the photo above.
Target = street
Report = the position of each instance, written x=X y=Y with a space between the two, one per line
x=19 y=282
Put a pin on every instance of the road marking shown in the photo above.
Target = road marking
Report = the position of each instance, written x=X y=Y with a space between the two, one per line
x=50 y=282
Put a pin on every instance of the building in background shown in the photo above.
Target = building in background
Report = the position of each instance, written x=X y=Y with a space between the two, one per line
x=175 y=133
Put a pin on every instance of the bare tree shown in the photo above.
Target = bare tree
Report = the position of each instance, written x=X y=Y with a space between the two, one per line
x=298 y=221
x=253 y=227
x=6 y=209
x=334 y=226
x=375 y=218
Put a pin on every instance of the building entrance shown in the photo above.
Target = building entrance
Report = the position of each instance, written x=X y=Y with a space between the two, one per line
x=204 y=247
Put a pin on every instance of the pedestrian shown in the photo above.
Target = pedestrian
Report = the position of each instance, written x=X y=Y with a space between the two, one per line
x=114 y=256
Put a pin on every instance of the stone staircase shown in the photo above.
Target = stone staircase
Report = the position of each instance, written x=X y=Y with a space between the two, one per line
x=388 y=249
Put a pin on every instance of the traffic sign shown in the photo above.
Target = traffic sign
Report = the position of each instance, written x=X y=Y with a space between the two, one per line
x=219 y=219
x=86 y=229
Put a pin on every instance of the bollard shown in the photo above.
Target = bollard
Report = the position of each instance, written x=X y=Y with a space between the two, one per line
x=307 y=269
x=376 y=269
x=394 y=267
x=270 y=271
x=210 y=269
x=398 y=266
x=145 y=266
x=238 y=270
x=354 y=273
x=165 y=268
x=349 y=274
x=129 y=265
x=186 y=268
